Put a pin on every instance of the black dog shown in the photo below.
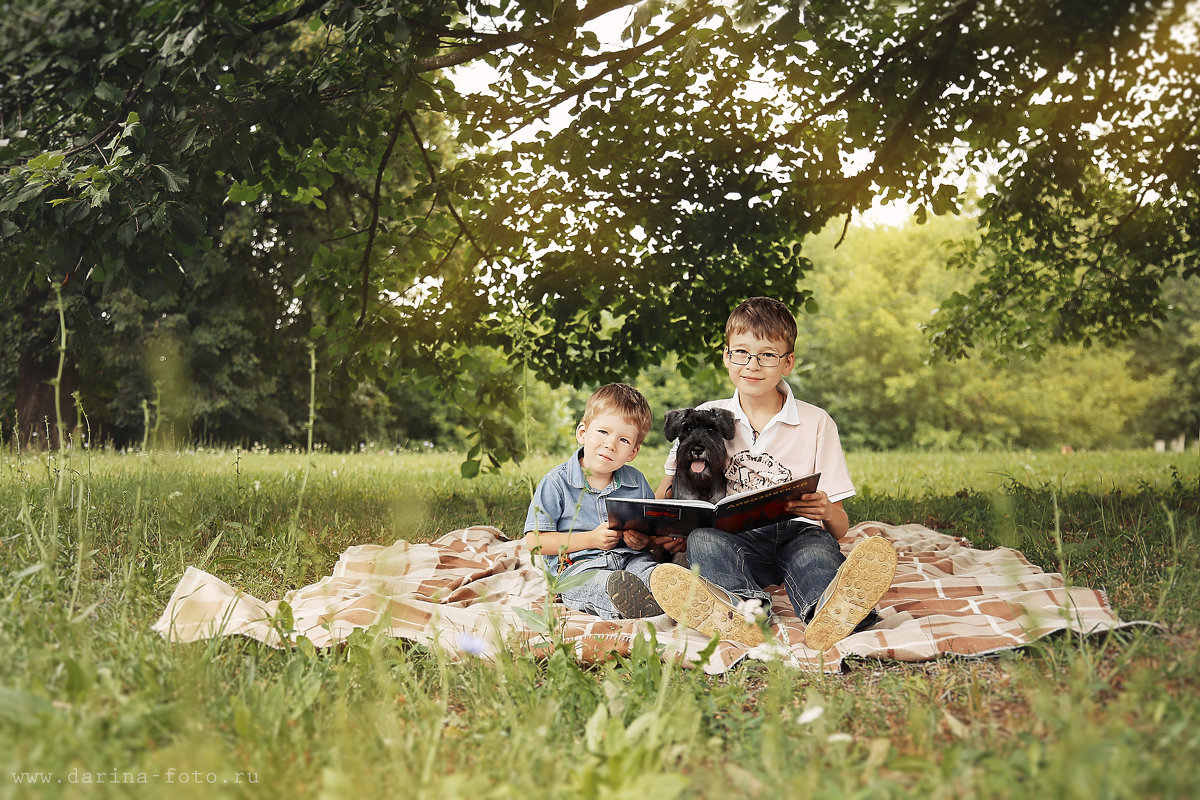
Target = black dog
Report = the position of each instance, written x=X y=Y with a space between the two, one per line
x=701 y=457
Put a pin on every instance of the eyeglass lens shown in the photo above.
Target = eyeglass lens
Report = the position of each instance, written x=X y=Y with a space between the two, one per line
x=741 y=358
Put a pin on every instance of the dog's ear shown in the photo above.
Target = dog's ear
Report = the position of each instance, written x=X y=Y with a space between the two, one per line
x=727 y=424
x=674 y=423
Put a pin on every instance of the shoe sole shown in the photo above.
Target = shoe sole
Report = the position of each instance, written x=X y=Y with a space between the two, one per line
x=687 y=599
x=630 y=596
x=860 y=582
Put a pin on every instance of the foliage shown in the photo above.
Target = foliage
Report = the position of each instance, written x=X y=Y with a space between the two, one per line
x=1092 y=207
x=863 y=357
x=1173 y=348
x=603 y=204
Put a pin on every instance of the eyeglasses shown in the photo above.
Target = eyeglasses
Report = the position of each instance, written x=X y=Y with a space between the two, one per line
x=765 y=360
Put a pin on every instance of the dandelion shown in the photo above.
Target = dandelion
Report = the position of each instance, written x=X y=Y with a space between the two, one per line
x=471 y=645
x=811 y=714
x=751 y=610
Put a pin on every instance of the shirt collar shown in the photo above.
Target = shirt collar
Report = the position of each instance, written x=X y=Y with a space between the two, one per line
x=575 y=470
x=577 y=479
x=788 y=415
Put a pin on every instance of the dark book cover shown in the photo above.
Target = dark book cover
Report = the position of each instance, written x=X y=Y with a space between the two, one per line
x=738 y=512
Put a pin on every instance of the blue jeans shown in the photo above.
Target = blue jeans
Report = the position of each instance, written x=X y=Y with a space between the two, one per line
x=592 y=597
x=803 y=557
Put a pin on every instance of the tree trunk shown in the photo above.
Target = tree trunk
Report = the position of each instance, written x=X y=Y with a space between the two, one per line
x=37 y=420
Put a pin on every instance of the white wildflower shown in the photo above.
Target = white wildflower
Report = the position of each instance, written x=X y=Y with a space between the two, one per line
x=810 y=714
x=840 y=737
x=773 y=650
x=751 y=610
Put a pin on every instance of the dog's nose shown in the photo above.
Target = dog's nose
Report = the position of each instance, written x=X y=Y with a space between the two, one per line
x=697 y=450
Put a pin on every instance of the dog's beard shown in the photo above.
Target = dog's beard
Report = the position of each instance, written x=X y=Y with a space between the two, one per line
x=699 y=480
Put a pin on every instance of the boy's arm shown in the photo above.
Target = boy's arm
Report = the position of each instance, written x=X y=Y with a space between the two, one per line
x=838 y=521
x=816 y=505
x=664 y=488
x=553 y=543
x=672 y=544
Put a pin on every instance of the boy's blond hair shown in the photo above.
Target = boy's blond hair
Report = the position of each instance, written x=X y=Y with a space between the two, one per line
x=624 y=401
x=764 y=318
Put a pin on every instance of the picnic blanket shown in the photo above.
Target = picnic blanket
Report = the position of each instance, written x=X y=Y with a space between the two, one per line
x=476 y=592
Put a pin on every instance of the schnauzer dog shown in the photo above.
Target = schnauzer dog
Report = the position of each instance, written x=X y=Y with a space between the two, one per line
x=700 y=458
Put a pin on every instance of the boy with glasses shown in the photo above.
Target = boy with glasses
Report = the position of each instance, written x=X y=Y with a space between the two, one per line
x=778 y=437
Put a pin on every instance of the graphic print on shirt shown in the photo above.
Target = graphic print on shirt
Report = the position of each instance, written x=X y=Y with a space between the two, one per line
x=747 y=471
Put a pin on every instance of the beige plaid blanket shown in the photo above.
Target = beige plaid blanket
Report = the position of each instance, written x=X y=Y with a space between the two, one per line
x=475 y=591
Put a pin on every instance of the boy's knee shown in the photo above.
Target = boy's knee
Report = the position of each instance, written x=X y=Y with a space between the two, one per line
x=708 y=543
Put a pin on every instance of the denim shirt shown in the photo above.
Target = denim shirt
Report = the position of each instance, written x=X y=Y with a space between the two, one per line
x=564 y=501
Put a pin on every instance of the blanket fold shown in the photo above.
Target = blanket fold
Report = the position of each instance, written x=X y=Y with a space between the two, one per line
x=475 y=591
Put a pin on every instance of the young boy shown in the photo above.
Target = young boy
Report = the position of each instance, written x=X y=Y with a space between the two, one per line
x=568 y=523
x=778 y=437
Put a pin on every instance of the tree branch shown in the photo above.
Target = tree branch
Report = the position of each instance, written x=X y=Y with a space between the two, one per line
x=280 y=20
x=504 y=39
x=859 y=84
x=374 y=224
x=412 y=126
x=619 y=60
x=120 y=115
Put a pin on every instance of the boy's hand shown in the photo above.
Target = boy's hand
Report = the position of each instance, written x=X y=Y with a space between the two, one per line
x=672 y=544
x=605 y=538
x=814 y=505
x=636 y=540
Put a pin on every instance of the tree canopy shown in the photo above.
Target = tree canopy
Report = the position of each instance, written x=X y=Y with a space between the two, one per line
x=604 y=203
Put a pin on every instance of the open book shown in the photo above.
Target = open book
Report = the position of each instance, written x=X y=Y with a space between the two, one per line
x=738 y=512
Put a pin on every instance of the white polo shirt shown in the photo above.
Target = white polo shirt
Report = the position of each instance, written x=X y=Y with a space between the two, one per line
x=800 y=440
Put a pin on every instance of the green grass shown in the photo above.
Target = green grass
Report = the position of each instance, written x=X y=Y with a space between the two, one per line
x=92 y=546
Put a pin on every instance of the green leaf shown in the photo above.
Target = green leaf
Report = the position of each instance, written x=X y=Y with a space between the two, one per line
x=109 y=93
x=45 y=162
x=534 y=621
x=244 y=192
x=945 y=201
x=560 y=585
x=175 y=181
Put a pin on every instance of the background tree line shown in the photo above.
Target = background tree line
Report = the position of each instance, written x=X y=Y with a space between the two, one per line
x=218 y=189
x=211 y=367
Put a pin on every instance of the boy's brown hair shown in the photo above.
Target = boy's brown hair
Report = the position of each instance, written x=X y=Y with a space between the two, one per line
x=623 y=400
x=765 y=318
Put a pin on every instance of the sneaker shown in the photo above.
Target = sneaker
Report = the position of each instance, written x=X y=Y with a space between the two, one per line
x=700 y=605
x=862 y=579
x=630 y=596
